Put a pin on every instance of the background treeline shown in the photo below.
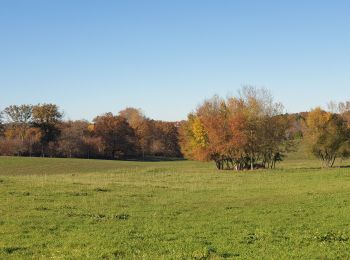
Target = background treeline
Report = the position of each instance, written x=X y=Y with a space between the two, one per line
x=248 y=131
x=39 y=130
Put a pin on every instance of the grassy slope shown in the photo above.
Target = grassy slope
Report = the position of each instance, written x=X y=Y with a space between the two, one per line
x=70 y=208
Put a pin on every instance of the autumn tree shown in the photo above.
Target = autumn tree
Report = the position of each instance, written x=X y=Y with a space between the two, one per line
x=214 y=117
x=19 y=133
x=133 y=116
x=32 y=140
x=265 y=127
x=71 y=142
x=194 y=139
x=207 y=135
x=12 y=142
x=242 y=132
x=142 y=127
x=165 y=141
x=328 y=136
x=154 y=137
x=117 y=135
x=19 y=118
x=46 y=117
x=1 y=123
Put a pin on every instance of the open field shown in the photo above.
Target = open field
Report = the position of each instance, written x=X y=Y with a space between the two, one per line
x=71 y=208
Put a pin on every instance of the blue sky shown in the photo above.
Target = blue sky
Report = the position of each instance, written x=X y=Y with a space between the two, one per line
x=165 y=57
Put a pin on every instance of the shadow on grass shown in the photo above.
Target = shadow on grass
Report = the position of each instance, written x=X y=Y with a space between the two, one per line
x=156 y=159
x=322 y=168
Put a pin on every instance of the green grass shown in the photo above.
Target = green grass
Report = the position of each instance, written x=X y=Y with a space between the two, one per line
x=71 y=208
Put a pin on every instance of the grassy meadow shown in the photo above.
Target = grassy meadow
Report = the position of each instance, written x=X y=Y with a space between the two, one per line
x=93 y=209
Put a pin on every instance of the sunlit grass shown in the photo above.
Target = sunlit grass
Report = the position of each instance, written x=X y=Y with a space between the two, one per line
x=71 y=208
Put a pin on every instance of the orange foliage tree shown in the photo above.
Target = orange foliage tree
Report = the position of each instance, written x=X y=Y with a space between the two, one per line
x=242 y=132
x=118 y=137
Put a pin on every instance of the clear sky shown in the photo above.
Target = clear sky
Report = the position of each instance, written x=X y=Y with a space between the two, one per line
x=165 y=57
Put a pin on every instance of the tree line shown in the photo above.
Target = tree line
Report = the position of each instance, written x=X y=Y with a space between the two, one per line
x=247 y=131
x=39 y=130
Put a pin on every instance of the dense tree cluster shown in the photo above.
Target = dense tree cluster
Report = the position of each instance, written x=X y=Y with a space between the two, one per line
x=328 y=135
x=249 y=131
x=244 y=132
x=39 y=130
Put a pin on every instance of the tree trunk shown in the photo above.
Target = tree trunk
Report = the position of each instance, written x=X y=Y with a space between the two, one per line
x=251 y=162
x=333 y=160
